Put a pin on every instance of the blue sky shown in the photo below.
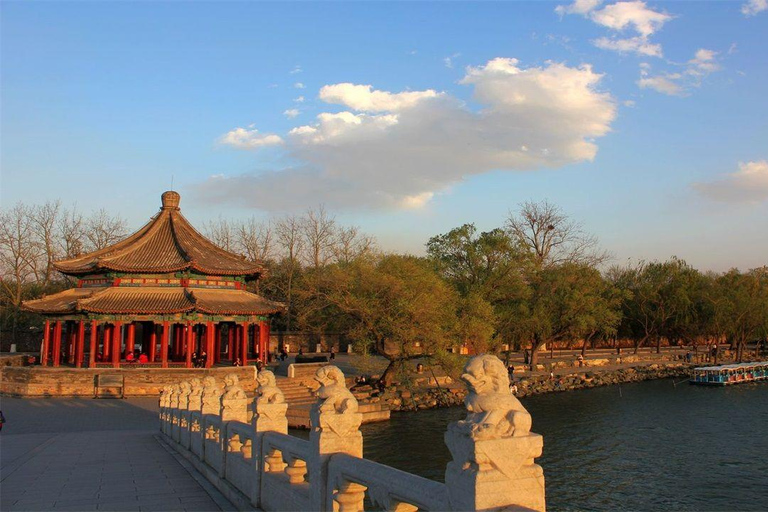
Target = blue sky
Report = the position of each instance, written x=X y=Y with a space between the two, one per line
x=648 y=121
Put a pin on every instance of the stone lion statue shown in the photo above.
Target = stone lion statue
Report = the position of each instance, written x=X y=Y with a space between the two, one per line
x=232 y=389
x=337 y=399
x=197 y=386
x=268 y=392
x=493 y=412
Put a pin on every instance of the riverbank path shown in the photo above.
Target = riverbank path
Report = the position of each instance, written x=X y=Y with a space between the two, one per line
x=84 y=454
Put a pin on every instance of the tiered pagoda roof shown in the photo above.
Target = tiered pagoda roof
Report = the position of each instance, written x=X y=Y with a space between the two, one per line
x=165 y=268
x=167 y=243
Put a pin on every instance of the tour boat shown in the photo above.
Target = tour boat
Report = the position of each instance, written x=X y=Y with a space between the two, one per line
x=730 y=374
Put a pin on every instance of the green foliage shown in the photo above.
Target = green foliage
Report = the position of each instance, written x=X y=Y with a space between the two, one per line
x=394 y=304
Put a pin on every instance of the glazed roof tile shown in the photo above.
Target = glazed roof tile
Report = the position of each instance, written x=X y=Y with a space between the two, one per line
x=167 y=243
x=148 y=300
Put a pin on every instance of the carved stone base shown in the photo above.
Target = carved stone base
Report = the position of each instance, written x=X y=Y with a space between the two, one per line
x=495 y=473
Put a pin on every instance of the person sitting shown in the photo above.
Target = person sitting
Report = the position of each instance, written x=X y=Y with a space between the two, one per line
x=143 y=358
x=129 y=358
x=238 y=362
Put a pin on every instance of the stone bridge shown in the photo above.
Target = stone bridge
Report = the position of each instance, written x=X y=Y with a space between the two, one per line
x=257 y=465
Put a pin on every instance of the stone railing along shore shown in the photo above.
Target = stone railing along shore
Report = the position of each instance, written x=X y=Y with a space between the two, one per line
x=257 y=465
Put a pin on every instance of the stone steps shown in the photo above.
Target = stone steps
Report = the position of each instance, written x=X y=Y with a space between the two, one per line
x=300 y=399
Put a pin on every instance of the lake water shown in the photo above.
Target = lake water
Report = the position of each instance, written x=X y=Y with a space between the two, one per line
x=641 y=446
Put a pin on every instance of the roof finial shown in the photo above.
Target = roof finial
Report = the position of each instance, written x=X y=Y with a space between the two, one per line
x=170 y=200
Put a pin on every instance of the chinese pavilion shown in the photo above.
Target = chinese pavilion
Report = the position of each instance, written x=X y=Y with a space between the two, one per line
x=157 y=297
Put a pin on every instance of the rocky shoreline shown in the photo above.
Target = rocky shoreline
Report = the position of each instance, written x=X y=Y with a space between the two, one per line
x=402 y=398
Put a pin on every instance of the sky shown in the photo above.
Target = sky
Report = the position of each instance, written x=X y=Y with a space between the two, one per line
x=645 y=121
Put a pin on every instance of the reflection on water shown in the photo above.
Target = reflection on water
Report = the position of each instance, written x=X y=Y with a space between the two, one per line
x=651 y=447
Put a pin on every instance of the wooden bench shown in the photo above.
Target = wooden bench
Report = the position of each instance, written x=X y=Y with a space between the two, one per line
x=108 y=381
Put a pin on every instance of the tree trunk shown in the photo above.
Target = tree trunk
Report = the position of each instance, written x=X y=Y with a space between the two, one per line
x=639 y=343
x=534 y=357
x=388 y=377
x=658 y=344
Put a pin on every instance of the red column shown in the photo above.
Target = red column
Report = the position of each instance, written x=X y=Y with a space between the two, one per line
x=152 y=343
x=230 y=341
x=164 y=346
x=130 y=342
x=70 y=342
x=264 y=340
x=244 y=356
x=236 y=342
x=216 y=343
x=208 y=344
x=56 y=354
x=94 y=344
x=256 y=342
x=188 y=344
x=80 y=344
x=106 y=342
x=46 y=343
x=116 y=342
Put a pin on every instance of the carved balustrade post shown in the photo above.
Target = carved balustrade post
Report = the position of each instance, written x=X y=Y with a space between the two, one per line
x=234 y=407
x=493 y=449
x=335 y=423
x=211 y=397
x=174 y=411
x=234 y=401
x=165 y=396
x=194 y=404
x=269 y=416
x=182 y=416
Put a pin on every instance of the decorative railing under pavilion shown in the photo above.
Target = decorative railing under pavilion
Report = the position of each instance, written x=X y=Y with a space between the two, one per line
x=252 y=460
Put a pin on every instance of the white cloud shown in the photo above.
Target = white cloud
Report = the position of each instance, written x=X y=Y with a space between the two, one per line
x=665 y=84
x=364 y=98
x=299 y=85
x=448 y=61
x=291 y=113
x=416 y=202
x=399 y=149
x=747 y=185
x=242 y=138
x=299 y=99
x=296 y=69
x=639 y=45
x=578 y=7
x=635 y=15
x=699 y=67
x=629 y=103
x=753 y=7
x=619 y=17
x=703 y=63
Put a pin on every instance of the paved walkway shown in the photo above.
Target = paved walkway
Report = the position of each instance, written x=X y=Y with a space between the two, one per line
x=83 y=454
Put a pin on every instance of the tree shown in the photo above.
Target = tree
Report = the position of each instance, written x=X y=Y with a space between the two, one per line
x=45 y=220
x=661 y=299
x=19 y=254
x=488 y=263
x=551 y=237
x=103 y=229
x=220 y=232
x=71 y=233
x=318 y=230
x=254 y=239
x=743 y=311
x=563 y=303
x=350 y=244
x=289 y=240
x=394 y=304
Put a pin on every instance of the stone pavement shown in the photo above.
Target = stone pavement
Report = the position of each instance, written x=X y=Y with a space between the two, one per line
x=83 y=454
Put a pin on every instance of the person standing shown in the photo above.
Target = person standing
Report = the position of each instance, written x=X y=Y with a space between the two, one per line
x=333 y=354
